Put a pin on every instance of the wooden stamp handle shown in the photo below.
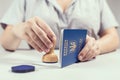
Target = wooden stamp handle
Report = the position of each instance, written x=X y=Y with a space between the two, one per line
x=50 y=57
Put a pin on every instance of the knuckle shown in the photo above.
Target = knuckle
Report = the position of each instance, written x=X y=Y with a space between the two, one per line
x=39 y=43
x=51 y=36
x=48 y=42
x=39 y=33
x=53 y=39
x=28 y=39
x=29 y=23
x=35 y=46
x=43 y=46
x=24 y=36
x=36 y=18
x=43 y=36
x=35 y=38
x=31 y=42
x=27 y=27
x=32 y=35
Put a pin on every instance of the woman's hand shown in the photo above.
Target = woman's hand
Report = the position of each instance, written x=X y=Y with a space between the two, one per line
x=90 y=51
x=36 y=32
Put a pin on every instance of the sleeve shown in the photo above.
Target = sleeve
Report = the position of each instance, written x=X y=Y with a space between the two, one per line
x=15 y=13
x=107 y=18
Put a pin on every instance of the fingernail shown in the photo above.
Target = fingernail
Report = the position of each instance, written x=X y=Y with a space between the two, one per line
x=47 y=50
x=54 y=38
x=51 y=45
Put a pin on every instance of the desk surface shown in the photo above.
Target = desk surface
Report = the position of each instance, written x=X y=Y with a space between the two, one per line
x=104 y=67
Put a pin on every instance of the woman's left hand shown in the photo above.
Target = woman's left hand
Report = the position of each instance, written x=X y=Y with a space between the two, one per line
x=90 y=51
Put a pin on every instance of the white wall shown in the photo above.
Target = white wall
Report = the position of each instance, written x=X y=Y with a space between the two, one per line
x=115 y=6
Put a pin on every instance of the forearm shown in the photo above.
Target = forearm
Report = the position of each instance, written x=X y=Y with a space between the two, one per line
x=8 y=40
x=108 y=42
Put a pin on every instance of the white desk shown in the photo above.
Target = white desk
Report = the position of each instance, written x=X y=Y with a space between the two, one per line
x=104 y=67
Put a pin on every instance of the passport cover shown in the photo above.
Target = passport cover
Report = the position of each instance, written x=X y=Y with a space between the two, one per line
x=72 y=41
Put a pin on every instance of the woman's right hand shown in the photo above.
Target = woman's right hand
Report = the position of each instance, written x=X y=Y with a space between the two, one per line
x=37 y=33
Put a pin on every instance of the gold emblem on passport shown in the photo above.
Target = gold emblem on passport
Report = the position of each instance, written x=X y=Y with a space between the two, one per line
x=72 y=46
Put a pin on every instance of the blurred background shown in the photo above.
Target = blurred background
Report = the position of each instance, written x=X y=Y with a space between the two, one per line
x=114 y=5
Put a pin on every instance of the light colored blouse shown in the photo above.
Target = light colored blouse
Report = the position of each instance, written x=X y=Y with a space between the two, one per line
x=93 y=15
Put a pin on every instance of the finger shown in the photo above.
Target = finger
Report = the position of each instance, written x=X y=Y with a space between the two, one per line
x=46 y=28
x=42 y=36
x=40 y=43
x=85 y=50
x=31 y=42
x=89 y=55
x=83 y=53
x=92 y=53
x=93 y=56
x=37 y=41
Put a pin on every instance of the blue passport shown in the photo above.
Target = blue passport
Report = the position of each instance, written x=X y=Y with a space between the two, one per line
x=72 y=41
